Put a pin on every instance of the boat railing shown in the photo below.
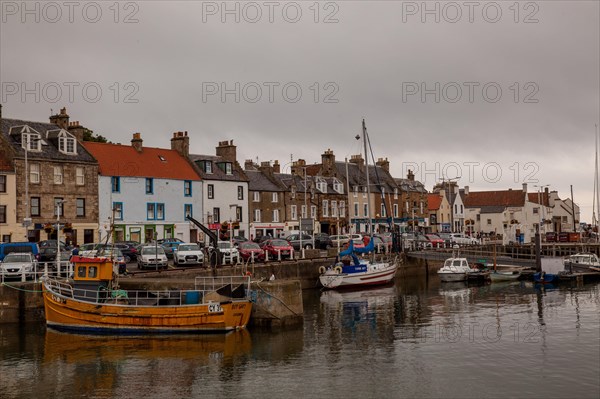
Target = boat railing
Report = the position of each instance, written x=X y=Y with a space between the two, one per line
x=217 y=283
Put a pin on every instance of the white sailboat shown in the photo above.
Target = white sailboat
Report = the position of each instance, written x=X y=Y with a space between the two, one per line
x=359 y=272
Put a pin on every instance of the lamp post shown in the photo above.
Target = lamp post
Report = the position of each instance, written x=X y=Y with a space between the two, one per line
x=27 y=220
x=59 y=203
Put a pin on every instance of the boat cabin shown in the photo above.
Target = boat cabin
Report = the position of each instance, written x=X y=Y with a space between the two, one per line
x=91 y=277
x=456 y=262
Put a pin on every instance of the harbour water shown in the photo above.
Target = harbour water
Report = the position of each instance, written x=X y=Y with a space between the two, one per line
x=418 y=338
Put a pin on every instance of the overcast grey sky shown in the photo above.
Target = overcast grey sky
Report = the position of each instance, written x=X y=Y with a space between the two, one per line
x=498 y=93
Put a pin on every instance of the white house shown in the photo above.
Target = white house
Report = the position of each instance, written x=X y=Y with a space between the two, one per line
x=145 y=193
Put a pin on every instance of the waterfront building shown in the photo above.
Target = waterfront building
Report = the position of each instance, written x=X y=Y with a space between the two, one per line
x=413 y=202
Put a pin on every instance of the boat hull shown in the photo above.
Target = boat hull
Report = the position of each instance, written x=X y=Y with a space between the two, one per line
x=545 y=278
x=69 y=314
x=448 y=277
x=504 y=276
x=373 y=275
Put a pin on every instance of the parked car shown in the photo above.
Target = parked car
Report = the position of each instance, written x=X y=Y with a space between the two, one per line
x=10 y=247
x=339 y=240
x=409 y=241
x=170 y=247
x=129 y=250
x=249 y=250
x=151 y=256
x=422 y=241
x=276 y=246
x=436 y=241
x=229 y=253
x=111 y=251
x=168 y=240
x=237 y=240
x=447 y=239
x=295 y=239
x=188 y=254
x=383 y=243
x=323 y=241
x=49 y=249
x=15 y=264
x=461 y=239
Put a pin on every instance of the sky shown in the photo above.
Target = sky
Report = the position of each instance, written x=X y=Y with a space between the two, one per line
x=489 y=94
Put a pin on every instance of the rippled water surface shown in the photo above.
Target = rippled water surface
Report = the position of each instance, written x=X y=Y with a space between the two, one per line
x=416 y=339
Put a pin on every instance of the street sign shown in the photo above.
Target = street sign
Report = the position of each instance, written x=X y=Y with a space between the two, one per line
x=26 y=222
x=307 y=225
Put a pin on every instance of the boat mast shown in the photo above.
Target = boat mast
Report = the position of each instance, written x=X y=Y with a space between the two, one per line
x=364 y=128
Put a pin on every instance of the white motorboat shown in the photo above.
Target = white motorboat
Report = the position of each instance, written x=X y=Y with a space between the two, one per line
x=455 y=269
x=581 y=262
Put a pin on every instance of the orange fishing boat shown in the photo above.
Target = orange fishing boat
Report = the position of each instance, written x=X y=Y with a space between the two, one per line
x=91 y=302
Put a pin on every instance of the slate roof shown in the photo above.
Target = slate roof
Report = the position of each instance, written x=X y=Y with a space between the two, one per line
x=504 y=198
x=407 y=185
x=124 y=160
x=49 y=151
x=357 y=177
x=259 y=181
x=217 y=173
x=288 y=180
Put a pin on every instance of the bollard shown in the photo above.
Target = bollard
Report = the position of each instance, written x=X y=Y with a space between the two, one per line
x=35 y=273
x=252 y=257
x=278 y=254
x=46 y=269
x=266 y=256
x=23 y=278
x=303 y=254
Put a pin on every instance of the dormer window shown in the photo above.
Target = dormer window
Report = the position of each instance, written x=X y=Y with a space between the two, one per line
x=208 y=167
x=321 y=185
x=338 y=186
x=67 y=145
x=228 y=168
x=31 y=142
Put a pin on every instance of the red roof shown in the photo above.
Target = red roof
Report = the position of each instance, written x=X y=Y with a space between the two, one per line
x=434 y=201
x=536 y=198
x=495 y=198
x=124 y=160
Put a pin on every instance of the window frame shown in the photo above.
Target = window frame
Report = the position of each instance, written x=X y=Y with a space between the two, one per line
x=187 y=188
x=3 y=183
x=240 y=193
x=79 y=201
x=79 y=176
x=118 y=210
x=210 y=191
x=149 y=185
x=38 y=200
x=115 y=184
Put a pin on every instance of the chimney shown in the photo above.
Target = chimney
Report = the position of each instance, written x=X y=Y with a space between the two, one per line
x=466 y=190
x=328 y=162
x=136 y=142
x=357 y=159
x=410 y=175
x=180 y=142
x=76 y=130
x=227 y=151
x=266 y=168
x=383 y=164
x=525 y=188
x=298 y=168
x=249 y=165
x=61 y=120
x=276 y=167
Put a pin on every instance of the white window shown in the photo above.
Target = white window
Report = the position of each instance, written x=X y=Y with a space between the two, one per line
x=228 y=169
x=67 y=145
x=34 y=172
x=256 y=196
x=276 y=215
x=294 y=212
x=293 y=192
x=257 y=215
x=321 y=185
x=313 y=211
x=58 y=175
x=396 y=193
x=334 y=210
x=395 y=210
x=303 y=212
x=79 y=176
x=34 y=141
x=338 y=186
x=342 y=209
x=355 y=191
x=364 y=192
x=325 y=208
x=275 y=197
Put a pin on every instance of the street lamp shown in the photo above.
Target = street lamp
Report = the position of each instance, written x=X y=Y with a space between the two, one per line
x=27 y=220
x=58 y=259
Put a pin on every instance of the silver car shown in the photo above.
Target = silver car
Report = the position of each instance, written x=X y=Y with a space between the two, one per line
x=17 y=263
x=151 y=256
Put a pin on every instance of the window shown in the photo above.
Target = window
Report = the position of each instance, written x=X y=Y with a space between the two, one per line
x=228 y=169
x=116 y=184
x=365 y=210
x=149 y=185
x=338 y=186
x=216 y=215
x=275 y=215
x=325 y=208
x=342 y=209
x=160 y=211
x=187 y=188
x=395 y=210
x=489 y=221
x=59 y=205
x=294 y=212
x=34 y=172
x=364 y=192
x=334 y=210
x=321 y=185
x=313 y=211
x=187 y=211
x=80 y=207
x=35 y=206
x=2 y=213
x=239 y=213
x=256 y=196
x=455 y=208
x=208 y=167
x=356 y=209
x=150 y=211
x=31 y=140
x=257 y=215
x=2 y=183
x=355 y=191
x=536 y=211
x=303 y=213
x=293 y=191
x=275 y=197
x=79 y=176
x=461 y=209
x=478 y=217
x=211 y=191
x=66 y=145
x=240 y=192
x=118 y=210
x=396 y=193
x=383 y=214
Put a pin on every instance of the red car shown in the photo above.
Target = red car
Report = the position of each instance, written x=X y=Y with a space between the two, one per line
x=247 y=249
x=436 y=241
x=273 y=247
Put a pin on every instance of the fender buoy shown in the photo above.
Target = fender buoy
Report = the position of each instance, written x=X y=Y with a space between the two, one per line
x=338 y=269
x=322 y=270
x=248 y=274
